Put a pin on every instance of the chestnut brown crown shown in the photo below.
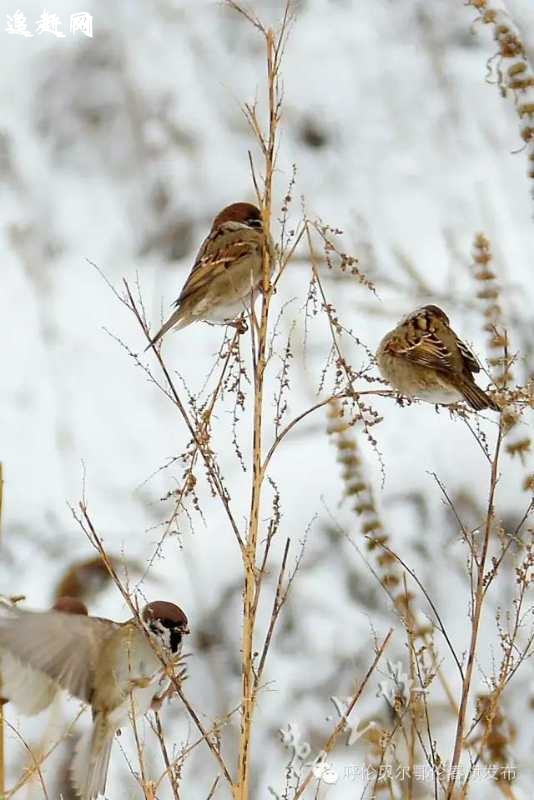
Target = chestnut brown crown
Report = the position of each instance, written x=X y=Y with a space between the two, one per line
x=167 y=620
x=245 y=213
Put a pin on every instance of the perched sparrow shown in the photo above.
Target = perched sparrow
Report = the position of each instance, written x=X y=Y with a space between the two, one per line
x=113 y=666
x=29 y=690
x=226 y=273
x=422 y=357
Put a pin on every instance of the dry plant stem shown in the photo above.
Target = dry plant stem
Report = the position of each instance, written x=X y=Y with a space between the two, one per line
x=213 y=788
x=188 y=475
x=205 y=734
x=252 y=579
x=250 y=588
x=39 y=761
x=36 y=767
x=476 y=616
x=332 y=739
x=431 y=603
x=169 y=768
x=278 y=602
x=321 y=404
x=194 y=435
x=389 y=736
x=185 y=752
x=139 y=747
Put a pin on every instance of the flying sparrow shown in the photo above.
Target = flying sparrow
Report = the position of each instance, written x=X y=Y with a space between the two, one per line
x=116 y=667
x=422 y=357
x=226 y=273
x=29 y=690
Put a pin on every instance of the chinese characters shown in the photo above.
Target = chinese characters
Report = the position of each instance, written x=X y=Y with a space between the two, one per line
x=50 y=23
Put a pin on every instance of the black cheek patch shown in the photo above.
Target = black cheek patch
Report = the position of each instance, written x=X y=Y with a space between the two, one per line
x=176 y=639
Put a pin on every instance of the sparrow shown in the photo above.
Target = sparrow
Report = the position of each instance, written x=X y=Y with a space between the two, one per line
x=115 y=667
x=31 y=691
x=226 y=273
x=422 y=357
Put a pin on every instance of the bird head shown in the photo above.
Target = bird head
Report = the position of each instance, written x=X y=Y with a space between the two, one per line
x=242 y=213
x=167 y=622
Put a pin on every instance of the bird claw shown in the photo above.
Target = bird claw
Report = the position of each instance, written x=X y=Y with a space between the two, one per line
x=157 y=701
x=138 y=683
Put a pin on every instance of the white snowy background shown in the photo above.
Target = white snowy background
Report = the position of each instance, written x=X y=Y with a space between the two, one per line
x=120 y=149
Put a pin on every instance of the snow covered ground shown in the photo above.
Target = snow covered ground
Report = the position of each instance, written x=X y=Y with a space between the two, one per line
x=119 y=149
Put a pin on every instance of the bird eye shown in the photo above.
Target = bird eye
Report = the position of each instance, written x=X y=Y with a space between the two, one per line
x=254 y=222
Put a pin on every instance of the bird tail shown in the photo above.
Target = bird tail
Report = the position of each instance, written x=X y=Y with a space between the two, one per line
x=91 y=761
x=477 y=397
x=176 y=320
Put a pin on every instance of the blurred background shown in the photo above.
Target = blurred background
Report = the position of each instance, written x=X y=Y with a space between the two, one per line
x=119 y=149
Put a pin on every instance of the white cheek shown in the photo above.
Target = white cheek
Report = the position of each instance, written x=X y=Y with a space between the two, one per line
x=162 y=637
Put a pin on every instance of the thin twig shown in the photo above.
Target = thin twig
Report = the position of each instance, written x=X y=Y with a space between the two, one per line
x=208 y=459
x=475 y=623
x=330 y=742
x=170 y=769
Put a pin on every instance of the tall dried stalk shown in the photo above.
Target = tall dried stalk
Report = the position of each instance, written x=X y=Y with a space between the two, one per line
x=252 y=580
x=476 y=613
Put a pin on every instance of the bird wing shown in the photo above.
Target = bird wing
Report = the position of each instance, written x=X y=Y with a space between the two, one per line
x=29 y=690
x=470 y=361
x=222 y=248
x=422 y=347
x=63 y=646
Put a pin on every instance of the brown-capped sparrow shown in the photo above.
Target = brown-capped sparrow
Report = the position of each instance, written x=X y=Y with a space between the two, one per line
x=29 y=690
x=116 y=667
x=423 y=358
x=227 y=271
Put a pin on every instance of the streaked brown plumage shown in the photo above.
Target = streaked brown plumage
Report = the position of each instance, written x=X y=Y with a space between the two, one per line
x=226 y=273
x=423 y=358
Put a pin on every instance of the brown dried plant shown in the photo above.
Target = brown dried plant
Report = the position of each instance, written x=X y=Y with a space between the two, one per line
x=501 y=359
x=392 y=573
x=514 y=73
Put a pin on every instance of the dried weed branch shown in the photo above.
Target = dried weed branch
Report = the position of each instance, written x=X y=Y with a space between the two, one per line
x=500 y=360
x=274 y=44
x=332 y=739
x=480 y=562
x=515 y=76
